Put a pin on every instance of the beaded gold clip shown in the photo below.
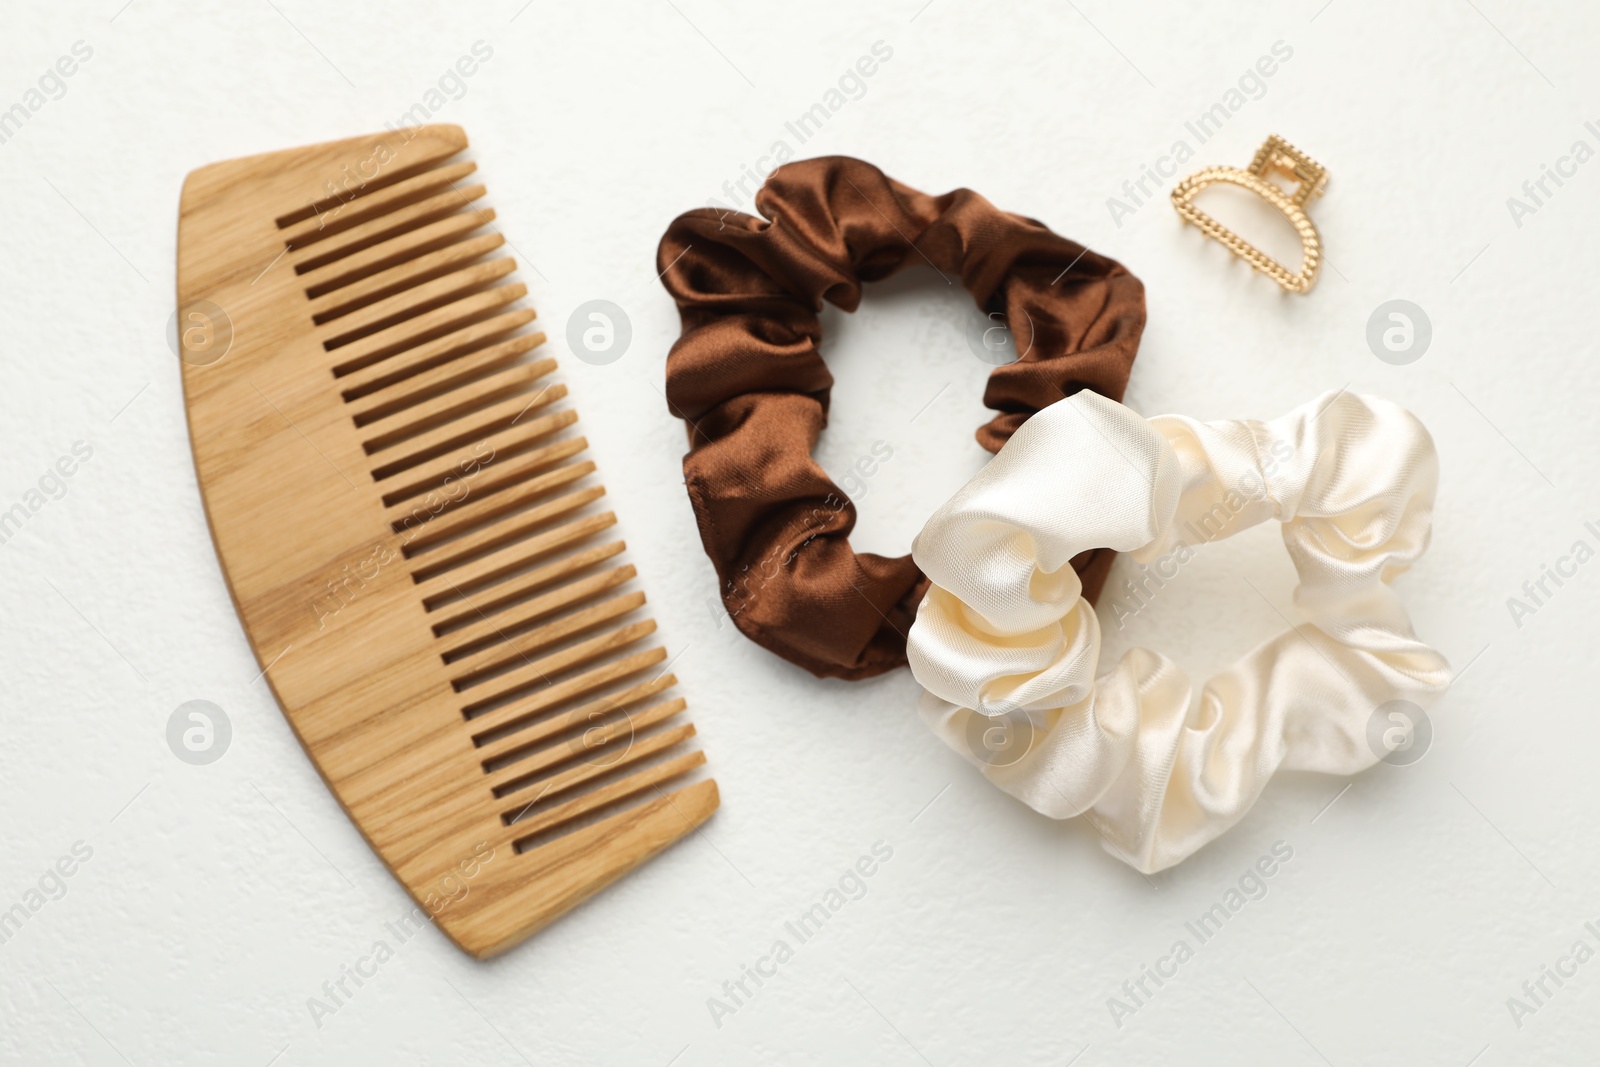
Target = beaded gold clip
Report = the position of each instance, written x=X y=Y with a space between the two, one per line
x=1275 y=155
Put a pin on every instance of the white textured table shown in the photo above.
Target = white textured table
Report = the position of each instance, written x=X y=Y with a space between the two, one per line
x=208 y=905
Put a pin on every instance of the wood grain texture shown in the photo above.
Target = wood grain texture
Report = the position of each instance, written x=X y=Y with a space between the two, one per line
x=412 y=537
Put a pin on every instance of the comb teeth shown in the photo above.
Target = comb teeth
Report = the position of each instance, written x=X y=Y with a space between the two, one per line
x=434 y=355
x=424 y=344
x=371 y=202
x=426 y=349
x=411 y=247
x=320 y=249
x=416 y=539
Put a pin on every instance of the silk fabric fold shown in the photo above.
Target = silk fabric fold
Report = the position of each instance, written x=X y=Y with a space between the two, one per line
x=747 y=378
x=1008 y=650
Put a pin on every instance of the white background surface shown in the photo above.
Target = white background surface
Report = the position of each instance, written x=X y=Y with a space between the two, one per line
x=219 y=898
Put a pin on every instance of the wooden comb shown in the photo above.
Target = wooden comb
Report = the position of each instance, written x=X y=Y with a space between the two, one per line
x=410 y=535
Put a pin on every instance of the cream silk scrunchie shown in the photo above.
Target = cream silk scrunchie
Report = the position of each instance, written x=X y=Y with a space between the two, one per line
x=1004 y=642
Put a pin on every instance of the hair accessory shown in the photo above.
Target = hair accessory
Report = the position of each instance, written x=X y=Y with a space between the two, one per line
x=1009 y=651
x=411 y=534
x=1275 y=156
x=747 y=378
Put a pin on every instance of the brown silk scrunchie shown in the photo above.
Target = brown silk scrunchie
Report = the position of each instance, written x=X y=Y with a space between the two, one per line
x=747 y=379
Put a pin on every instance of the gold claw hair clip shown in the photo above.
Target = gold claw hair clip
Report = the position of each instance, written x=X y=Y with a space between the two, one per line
x=1310 y=178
